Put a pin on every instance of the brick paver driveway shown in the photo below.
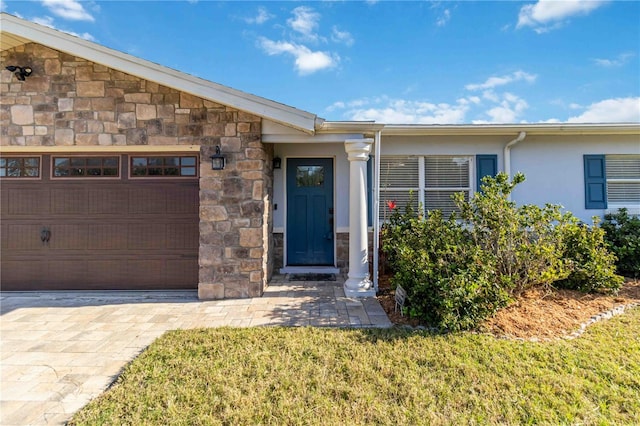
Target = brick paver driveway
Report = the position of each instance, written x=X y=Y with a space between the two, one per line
x=59 y=350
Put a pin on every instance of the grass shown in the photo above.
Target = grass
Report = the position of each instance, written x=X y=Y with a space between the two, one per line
x=310 y=376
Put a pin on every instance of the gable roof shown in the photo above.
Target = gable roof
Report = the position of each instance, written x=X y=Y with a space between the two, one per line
x=16 y=31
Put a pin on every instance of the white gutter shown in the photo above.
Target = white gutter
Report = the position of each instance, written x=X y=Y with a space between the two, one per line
x=376 y=208
x=508 y=129
x=507 y=154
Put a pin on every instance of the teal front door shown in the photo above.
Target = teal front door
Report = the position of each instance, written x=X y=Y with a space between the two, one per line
x=310 y=211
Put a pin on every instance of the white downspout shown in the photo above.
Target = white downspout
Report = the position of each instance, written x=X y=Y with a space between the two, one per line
x=376 y=208
x=507 y=154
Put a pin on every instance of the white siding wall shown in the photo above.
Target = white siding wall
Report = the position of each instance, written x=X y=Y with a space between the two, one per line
x=553 y=165
x=554 y=168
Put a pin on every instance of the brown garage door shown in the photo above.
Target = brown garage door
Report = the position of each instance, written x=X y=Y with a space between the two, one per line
x=92 y=226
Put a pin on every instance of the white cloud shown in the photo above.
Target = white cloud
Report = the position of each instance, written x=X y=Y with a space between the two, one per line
x=618 y=61
x=304 y=25
x=490 y=106
x=343 y=37
x=68 y=9
x=335 y=106
x=547 y=15
x=493 y=82
x=306 y=60
x=387 y=110
x=260 y=18
x=47 y=21
x=305 y=21
x=509 y=110
x=614 y=110
x=444 y=18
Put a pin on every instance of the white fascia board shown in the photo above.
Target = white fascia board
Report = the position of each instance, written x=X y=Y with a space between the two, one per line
x=367 y=127
x=318 y=138
x=509 y=129
x=215 y=92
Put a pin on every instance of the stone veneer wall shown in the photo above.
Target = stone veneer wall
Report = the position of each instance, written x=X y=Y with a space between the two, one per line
x=236 y=224
x=342 y=250
x=69 y=101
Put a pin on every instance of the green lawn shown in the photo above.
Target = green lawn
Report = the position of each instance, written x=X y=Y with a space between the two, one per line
x=313 y=376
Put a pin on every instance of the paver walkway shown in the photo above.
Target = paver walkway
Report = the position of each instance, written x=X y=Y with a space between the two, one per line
x=59 y=350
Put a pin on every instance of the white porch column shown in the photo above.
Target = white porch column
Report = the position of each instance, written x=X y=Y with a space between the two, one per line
x=358 y=283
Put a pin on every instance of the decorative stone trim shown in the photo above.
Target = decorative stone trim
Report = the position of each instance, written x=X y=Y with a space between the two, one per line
x=618 y=310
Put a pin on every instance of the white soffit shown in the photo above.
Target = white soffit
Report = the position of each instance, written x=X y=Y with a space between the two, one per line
x=16 y=31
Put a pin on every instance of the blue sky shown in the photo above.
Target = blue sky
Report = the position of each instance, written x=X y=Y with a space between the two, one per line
x=407 y=62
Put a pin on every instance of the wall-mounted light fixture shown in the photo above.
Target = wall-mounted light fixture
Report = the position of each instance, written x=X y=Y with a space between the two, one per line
x=217 y=160
x=20 y=72
x=277 y=162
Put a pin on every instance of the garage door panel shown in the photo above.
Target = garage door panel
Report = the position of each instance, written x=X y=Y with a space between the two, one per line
x=71 y=273
x=138 y=273
x=147 y=199
x=69 y=200
x=22 y=236
x=183 y=200
x=182 y=235
x=182 y=272
x=112 y=234
x=68 y=237
x=147 y=236
x=27 y=201
x=109 y=274
x=23 y=274
x=107 y=236
x=107 y=200
x=4 y=202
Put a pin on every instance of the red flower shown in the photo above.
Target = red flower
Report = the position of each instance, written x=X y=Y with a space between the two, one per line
x=391 y=204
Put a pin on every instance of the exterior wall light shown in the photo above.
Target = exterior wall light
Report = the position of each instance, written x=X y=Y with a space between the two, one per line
x=217 y=160
x=277 y=163
x=20 y=72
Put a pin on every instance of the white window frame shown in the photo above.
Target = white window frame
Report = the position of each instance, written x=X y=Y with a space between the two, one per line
x=421 y=190
x=613 y=207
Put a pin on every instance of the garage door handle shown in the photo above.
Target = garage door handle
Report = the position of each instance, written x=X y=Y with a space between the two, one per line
x=45 y=235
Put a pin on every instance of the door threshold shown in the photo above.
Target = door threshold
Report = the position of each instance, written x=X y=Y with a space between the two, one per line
x=309 y=270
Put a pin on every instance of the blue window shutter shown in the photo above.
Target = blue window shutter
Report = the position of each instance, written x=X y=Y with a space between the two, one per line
x=486 y=165
x=595 y=182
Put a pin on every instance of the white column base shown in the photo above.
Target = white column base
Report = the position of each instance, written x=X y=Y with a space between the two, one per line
x=359 y=287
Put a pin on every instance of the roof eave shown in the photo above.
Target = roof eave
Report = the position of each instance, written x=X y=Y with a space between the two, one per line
x=366 y=127
x=510 y=129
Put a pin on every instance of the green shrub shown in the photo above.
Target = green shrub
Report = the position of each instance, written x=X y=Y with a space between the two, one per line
x=522 y=240
x=457 y=271
x=448 y=279
x=592 y=264
x=622 y=234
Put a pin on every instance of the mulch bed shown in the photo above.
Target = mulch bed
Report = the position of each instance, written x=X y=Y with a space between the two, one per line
x=537 y=314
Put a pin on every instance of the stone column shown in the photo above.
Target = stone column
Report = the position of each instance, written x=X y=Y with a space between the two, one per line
x=358 y=283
